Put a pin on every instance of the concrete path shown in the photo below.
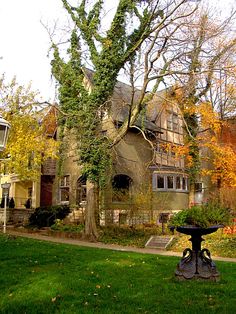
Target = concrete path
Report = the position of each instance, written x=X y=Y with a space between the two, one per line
x=107 y=246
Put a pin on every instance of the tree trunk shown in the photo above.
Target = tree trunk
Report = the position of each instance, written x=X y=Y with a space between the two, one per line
x=191 y=194
x=91 y=231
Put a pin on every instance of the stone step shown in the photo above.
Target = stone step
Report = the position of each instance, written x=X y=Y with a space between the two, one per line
x=159 y=242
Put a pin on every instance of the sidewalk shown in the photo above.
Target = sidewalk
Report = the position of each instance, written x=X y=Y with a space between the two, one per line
x=107 y=246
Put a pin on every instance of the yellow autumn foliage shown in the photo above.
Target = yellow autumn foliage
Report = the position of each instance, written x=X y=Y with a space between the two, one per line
x=28 y=143
x=223 y=161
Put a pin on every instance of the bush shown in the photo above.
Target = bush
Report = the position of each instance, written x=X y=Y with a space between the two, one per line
x=28 y=203
x=60 y=226
x=11 y=203
x=2 y=205
x=203 y=216
x=46 y=216
x=128 y=235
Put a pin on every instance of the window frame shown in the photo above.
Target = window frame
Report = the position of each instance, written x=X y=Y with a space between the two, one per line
x=162 y=177
x=172 y=121
x=183 y=187
x=81 y=191
x=64 y=184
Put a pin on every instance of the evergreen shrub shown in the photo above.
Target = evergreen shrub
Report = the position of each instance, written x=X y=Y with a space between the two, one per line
x=46 y=216
x=204 y=216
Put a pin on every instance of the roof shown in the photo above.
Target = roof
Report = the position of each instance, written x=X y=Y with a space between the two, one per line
x=121 y=100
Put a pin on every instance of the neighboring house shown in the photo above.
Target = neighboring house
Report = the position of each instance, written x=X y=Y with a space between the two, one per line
x=146 y=175
x=204 y=187
x=29 y=194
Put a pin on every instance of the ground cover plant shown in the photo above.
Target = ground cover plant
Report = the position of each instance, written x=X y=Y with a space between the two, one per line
x=42 y=277
x=219 y=243
x=128 y=235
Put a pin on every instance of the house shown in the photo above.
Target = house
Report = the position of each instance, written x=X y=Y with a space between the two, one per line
x=29 y=194
x=147 y=177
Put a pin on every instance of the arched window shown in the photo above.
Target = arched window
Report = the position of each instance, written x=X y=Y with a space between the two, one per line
x=81 y=191
x=121 y=188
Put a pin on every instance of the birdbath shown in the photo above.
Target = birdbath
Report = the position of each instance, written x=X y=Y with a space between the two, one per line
x=197 y=263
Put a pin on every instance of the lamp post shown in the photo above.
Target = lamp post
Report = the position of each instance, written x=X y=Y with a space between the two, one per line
x=4 y=131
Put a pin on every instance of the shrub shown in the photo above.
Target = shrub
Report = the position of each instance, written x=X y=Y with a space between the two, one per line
x=46 y=216
x=11 y=203
x=60 y=226
x=203 y=216
x=128 y=235
x=28 y=203
x=3 y=202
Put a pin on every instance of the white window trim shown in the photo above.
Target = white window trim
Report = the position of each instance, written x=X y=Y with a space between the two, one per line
x=63 y=186
x=165 y=175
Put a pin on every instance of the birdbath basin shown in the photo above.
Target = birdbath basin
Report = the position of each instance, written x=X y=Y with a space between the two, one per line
x=196 y=263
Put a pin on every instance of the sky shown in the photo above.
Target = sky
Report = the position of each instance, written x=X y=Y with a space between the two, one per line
x=25 y=42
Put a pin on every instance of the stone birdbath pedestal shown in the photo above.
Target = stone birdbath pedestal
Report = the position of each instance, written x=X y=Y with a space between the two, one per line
x=196 y=263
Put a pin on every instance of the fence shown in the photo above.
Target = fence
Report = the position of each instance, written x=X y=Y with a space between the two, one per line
x=129 y=217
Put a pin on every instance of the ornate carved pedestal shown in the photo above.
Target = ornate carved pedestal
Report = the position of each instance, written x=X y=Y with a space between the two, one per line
x=197 y=263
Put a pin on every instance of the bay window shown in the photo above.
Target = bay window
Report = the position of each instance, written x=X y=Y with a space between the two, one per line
x=170 y=182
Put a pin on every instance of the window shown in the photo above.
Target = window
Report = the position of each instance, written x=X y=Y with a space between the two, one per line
x=185 y=184
x=172 y=121
x=160 y=182
x=169 y=182
x=198 y=187
x=121 y=188
x=81 y=191
x=178 y=183
x=65 y=181
x=64 y=189
x=161 y=148
x=165 y=149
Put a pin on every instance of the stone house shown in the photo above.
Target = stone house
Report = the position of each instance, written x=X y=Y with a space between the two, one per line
x=147 y=178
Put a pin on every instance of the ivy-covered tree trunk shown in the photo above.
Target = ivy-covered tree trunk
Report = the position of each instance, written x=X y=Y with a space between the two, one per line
x=90 y=211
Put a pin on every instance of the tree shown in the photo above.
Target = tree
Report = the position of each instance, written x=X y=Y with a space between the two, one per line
x=210 y=64
x=28 y=143
x=155 y=43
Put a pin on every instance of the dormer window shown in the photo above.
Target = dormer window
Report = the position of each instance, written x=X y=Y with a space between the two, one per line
x=172 y=121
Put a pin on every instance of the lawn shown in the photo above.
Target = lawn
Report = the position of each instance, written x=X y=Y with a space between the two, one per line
x=41 y=277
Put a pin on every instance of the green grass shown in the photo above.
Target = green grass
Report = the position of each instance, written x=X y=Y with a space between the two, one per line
x=42 y=277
